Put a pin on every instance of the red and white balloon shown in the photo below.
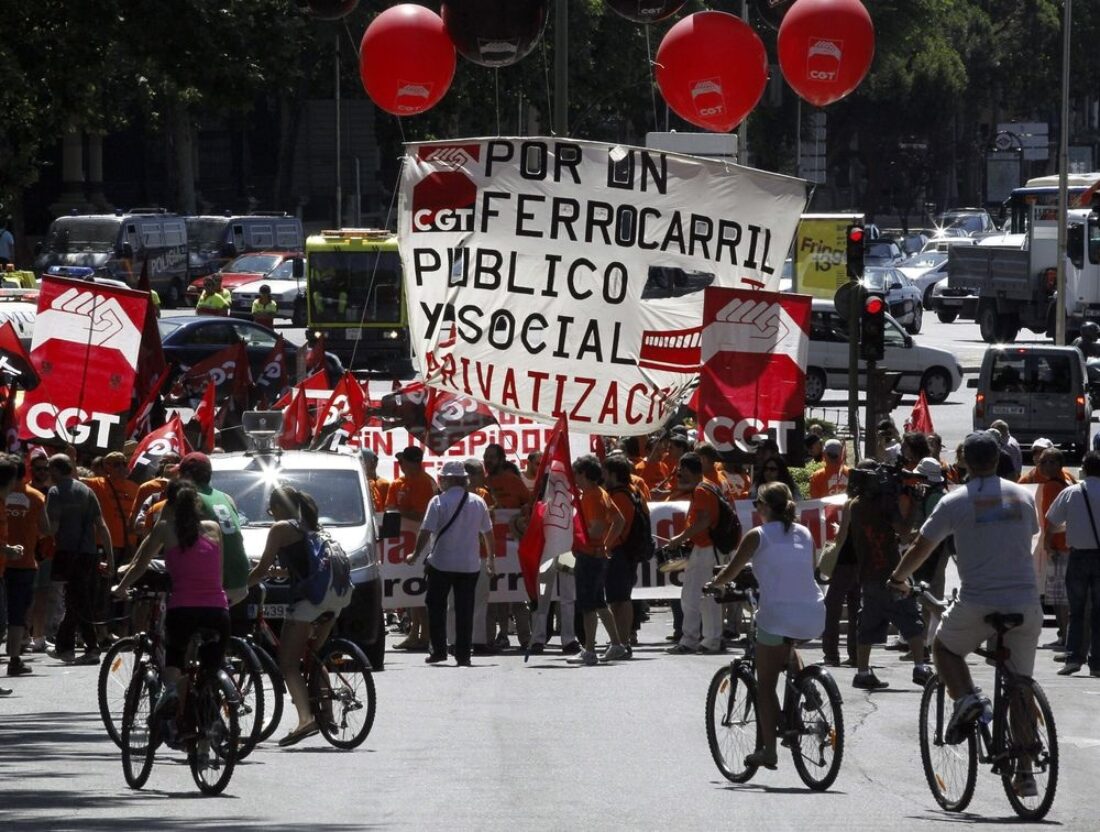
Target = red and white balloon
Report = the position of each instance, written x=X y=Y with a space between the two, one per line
x=406 y=60
x=646 y=11
x=826 y=48
x=712 y=69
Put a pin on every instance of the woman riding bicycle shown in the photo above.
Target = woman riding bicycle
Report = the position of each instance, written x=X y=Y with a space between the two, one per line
x=791 y=609
x=295 y=516
x=193 y=557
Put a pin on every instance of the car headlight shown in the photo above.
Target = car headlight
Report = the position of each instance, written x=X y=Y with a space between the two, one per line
x=391 y=334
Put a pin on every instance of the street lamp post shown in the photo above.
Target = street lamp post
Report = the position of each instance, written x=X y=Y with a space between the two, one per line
x=1063 y=182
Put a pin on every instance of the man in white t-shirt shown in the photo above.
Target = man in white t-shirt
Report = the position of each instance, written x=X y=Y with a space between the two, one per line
x=993 y=521
x=458 y=524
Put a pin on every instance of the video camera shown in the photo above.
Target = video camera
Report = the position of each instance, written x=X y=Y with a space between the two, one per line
x=885 y=480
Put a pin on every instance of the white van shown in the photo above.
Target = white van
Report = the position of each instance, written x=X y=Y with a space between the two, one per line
x=935 y=371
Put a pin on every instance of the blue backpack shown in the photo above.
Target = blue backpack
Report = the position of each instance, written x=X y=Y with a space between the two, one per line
x=328 y=566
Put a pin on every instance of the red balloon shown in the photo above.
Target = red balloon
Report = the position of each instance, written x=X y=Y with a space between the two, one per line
x=712 y=69
x=646 y=11
x=826 y=48
x=328 y=9
x=406 y=60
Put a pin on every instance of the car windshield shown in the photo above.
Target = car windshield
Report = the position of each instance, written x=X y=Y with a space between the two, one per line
x=879 y=250
x=206 y=234
x=877 y=279
x=252 y=264
x=338 y=494
x=927 y=260
x=354 y=287
x=80 y=234
x=166 y=326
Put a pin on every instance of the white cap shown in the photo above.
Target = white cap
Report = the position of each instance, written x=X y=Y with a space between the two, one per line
x=930 y=469
x=455 y=469
x=1041 y=444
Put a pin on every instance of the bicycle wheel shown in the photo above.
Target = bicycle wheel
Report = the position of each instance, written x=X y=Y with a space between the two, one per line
x=139 y=738
x=274 y=689
x=345 y=704
x=951 y=770
x=245 y=672
x=1033 y=748
x=819 y=720
x=115 y=674
x=213 y=753
x=732 y=729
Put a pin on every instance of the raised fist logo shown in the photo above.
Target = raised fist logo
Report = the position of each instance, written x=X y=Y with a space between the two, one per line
x=753 y=326
x=85 y=318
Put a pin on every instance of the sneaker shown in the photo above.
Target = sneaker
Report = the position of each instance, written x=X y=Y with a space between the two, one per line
x=1024 y=785
x=18 y=668
x=1070 y=668
x=921 y=674
x=680 y=650
x=537 y=649
x=967 y=709
x=435 y=658
x=67 y=656
x=1057 y=644
x=674 y=637
x=88 y=658
x=868 y=681
x=615 y=653
x=1061 y=657
x=589 y=658
x=571 y=649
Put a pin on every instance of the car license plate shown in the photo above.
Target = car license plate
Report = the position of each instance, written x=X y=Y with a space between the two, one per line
x=353 y=334
x=1009 y=409
x=274 y=610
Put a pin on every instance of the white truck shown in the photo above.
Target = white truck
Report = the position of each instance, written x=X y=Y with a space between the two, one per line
x=1007 y=282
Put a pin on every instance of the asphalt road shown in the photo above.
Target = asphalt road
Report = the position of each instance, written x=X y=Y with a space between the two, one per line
x=507 y=746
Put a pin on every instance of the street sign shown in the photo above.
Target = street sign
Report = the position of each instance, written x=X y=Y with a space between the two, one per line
x=843 y=298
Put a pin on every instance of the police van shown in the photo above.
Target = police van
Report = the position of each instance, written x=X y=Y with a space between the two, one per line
x=118 y=246
x=212 y=241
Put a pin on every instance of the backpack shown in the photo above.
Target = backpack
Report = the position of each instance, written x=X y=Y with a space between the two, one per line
x=725 y=534
x=639 y=543
x=328 y=564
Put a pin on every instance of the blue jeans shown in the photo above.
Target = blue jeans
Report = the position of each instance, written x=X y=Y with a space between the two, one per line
x=1083 y=587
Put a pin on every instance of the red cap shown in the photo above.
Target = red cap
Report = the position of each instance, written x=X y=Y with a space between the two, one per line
x=195 y=459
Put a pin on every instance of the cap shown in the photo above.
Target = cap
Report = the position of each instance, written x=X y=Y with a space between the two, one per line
x=1041 y=444
x=128 y=447
x=411 y=453
x=455 y=469
x=930 y=469
x=115 y=458
x=834 y=448
x=981 y=448
x=194 y=460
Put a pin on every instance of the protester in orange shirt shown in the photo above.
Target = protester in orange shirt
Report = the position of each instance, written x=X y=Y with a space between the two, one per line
x=604 y=524
x=833 y=478
x=26 y=525
x=410 y=494
x=506 y=487
x=652 y=469
x=622 y=568
x=671 y=489
x=715 y=475
x=1040 y=473
x=379 y=486
x=702 y=627
x=116 y=494
x=151 y=488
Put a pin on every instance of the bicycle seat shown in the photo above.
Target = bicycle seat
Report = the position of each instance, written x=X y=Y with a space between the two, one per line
x=1004 y=621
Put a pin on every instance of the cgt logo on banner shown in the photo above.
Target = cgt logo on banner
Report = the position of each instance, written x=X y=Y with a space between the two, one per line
x=86 y=345
x=549 y=277
x=754 y=349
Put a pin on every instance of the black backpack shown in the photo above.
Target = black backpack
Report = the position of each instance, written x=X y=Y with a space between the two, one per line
x=639 y=543
x=725 y=534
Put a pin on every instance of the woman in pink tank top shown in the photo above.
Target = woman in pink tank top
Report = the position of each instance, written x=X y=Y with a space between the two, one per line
x=192 y=550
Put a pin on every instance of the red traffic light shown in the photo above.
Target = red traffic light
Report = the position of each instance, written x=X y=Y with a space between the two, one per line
x=874 y=305
x=855 y=234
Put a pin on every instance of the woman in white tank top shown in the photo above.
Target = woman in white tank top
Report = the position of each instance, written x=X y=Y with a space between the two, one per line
x=792 y=607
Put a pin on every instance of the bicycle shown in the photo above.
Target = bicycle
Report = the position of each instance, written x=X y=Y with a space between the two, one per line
x=206 y=726
x=1002 y=742
x=811 y=722
x=117 y=669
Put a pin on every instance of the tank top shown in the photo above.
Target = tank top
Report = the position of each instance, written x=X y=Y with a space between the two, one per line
x=196 y=574
x=294 y=558
x=791 y=603
x=235 y=565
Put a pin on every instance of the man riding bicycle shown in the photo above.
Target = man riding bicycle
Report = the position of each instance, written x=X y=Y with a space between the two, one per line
x=993 y=521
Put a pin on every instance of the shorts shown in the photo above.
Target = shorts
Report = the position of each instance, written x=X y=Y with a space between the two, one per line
x=963 y=629
x=772 y=640
x=621 y=574
x=44 y=574
x=1054 y=590
x=879 y=607
x=591 y=576
x=308 y=612
x=180 y=623
x=19 y=585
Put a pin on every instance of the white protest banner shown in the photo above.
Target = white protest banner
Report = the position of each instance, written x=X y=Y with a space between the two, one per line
x=404 y=586
x=550 y=276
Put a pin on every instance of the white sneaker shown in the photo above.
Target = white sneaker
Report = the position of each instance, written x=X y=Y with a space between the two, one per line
x=614 y=653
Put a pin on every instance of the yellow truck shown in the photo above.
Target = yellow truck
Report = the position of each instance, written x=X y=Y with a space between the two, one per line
x=355 y=296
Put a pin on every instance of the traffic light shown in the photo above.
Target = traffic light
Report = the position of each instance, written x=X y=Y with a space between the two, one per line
x=872 y=327
x=854 y=252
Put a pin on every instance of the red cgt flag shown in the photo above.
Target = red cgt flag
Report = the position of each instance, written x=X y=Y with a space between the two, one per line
x=273 y=378
x=204 y=415
x=166 y=439
x=296 y=423
x=139 y=421
x=347 y=405
x=228 y=369
x=920 y=420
